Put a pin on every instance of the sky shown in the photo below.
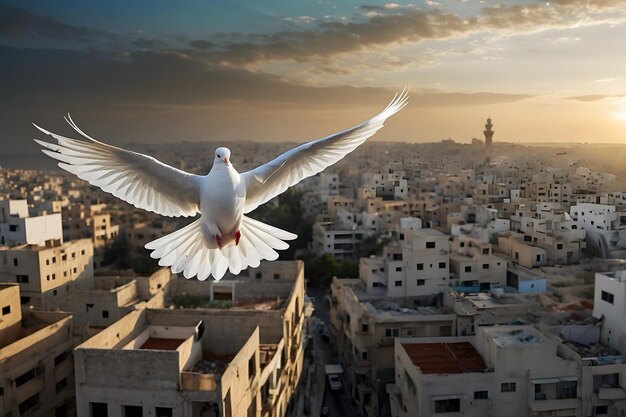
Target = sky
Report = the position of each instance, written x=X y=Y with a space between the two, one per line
x=164 y=71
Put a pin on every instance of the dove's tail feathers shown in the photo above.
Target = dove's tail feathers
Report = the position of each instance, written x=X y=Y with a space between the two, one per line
x=192 y=251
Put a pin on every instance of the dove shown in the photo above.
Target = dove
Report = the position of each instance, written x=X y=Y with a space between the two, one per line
x=223 y=238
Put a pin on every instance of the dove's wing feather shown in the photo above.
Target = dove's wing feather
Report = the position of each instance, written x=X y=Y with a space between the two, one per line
x=267 y=181
x=136 y=178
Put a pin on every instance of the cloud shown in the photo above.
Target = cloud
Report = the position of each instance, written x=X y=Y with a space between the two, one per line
x=18 y=23
x=201 y=44
x=596 y=97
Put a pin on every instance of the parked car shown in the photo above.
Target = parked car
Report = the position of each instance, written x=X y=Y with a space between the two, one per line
x=334 y=382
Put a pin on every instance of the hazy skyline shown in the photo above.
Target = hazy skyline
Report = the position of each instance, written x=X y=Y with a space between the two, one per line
x=293 y=71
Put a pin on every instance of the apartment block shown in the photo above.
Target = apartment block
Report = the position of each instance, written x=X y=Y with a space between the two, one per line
x=483 y=375
x=47 y=274
x=365 y=326
x=241 y=360
x=36 y=370
x=18 y=228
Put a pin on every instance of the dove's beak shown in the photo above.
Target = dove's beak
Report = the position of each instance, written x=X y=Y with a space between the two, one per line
x=225 y=160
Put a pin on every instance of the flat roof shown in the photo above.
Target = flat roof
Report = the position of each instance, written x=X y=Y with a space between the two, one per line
x=445 y=358
x=158 y=343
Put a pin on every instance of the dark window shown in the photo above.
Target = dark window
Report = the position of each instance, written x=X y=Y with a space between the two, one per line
x=442 y=265
x=559 y=246
x=163 y=412
x=6 y=310
x=566 y=389
x=601 y=409
x=485 y=251
x=276 y=276
x=481 y=395
x=22 y=279
x=448 y=406
x=365 y=328
x=61 y=384
x=608 y=297
x=13 y=228
x=24 y=300
x=398 y=283
x=99 y=409
x=60 y=358
x=538 y=257
x=24 y=378
x=29 y=403
x=258 y=275
x=105 y=314
x=507 y=387
x=430 y=245
x=421 y=282
x=393 y=332
x=398 y=269
x=485 y=266
x=420 y=267
x=133 y=411
x=15 y=261
x=468 y=269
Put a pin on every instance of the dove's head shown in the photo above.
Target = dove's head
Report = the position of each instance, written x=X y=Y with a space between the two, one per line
x=222 y=155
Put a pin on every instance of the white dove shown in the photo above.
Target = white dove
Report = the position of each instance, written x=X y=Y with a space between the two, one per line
x=223 y=238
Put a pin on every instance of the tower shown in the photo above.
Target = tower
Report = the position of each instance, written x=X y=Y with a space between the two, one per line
x=488 y=132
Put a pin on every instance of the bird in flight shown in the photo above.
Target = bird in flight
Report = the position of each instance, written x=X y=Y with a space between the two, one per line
x=224 y=237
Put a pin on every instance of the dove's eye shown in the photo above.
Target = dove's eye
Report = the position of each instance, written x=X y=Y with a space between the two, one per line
x=218 y=156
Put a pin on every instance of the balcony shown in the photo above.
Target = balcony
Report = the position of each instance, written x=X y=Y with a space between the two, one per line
x=611 y=393
x=553 y=405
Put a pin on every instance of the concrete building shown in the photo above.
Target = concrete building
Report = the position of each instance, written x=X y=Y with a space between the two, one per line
x=17 y=228
x=609 y=304
x=36 y=371
x=605 y=228
x=474 y=266
x=80 y=221
x=415 y=265
x=47 y=274
x=483 y=375
x=245 y=360
x=365 y=327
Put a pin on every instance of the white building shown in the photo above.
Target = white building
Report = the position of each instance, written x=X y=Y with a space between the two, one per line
x=17 y=228
x=605 y=228
x=473 y=264
x=609 y=304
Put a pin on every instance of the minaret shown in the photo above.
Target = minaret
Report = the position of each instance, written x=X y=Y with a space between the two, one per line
x=488 y=132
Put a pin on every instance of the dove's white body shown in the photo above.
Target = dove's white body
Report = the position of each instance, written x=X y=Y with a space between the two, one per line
x=222 y=201
x=223 y=197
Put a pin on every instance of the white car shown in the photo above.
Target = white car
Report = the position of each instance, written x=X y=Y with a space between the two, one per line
x=334 y=381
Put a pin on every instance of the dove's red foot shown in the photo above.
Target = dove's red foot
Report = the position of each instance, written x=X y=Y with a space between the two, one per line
x=237 y=236
x=218 y=240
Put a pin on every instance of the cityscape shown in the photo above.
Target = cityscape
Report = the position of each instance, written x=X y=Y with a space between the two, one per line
x=439 y=279
x=236 y=249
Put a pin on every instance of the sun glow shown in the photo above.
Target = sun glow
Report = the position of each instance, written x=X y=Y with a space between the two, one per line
x=620 y=115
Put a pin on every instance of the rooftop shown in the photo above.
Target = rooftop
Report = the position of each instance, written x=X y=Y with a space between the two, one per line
x=159 y=343
x=513 y=336
x=445 y=358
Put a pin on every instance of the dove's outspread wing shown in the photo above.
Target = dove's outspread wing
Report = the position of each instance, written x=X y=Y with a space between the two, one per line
x=136 y=178
x=267 y=181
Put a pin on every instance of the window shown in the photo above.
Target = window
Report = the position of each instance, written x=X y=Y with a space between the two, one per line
x=59 y=359
x=163 y=412
x=22 y=279
x=420 y=267
x=485 y=266
x=601 y=409
x=448 y=406
x=365 y=328
x=468 y=269
x=392 y=332
x=421 y=282
x=75 y=269
x=538 y=257
x=485 y=251
x=565 y=390
x=430 y=245
x=133 y=411
x=398 y=269
x=606 y=380
x=398 y=283
x=276 y=276
x=364 y=356
x=54 y=292
x=82 y=252
x=15 y=261
x=6 y=310
x=24 y=300
x=54 y=259
x=29 y=403
x=61 y=384
x=608 y=297
x=47 y=261
x=559 y=246
x=105 y=314
x=507 y=387
x=442 y=265
x=13 y=228
x=258 y=275
x=481 y=395
x=25 y=377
